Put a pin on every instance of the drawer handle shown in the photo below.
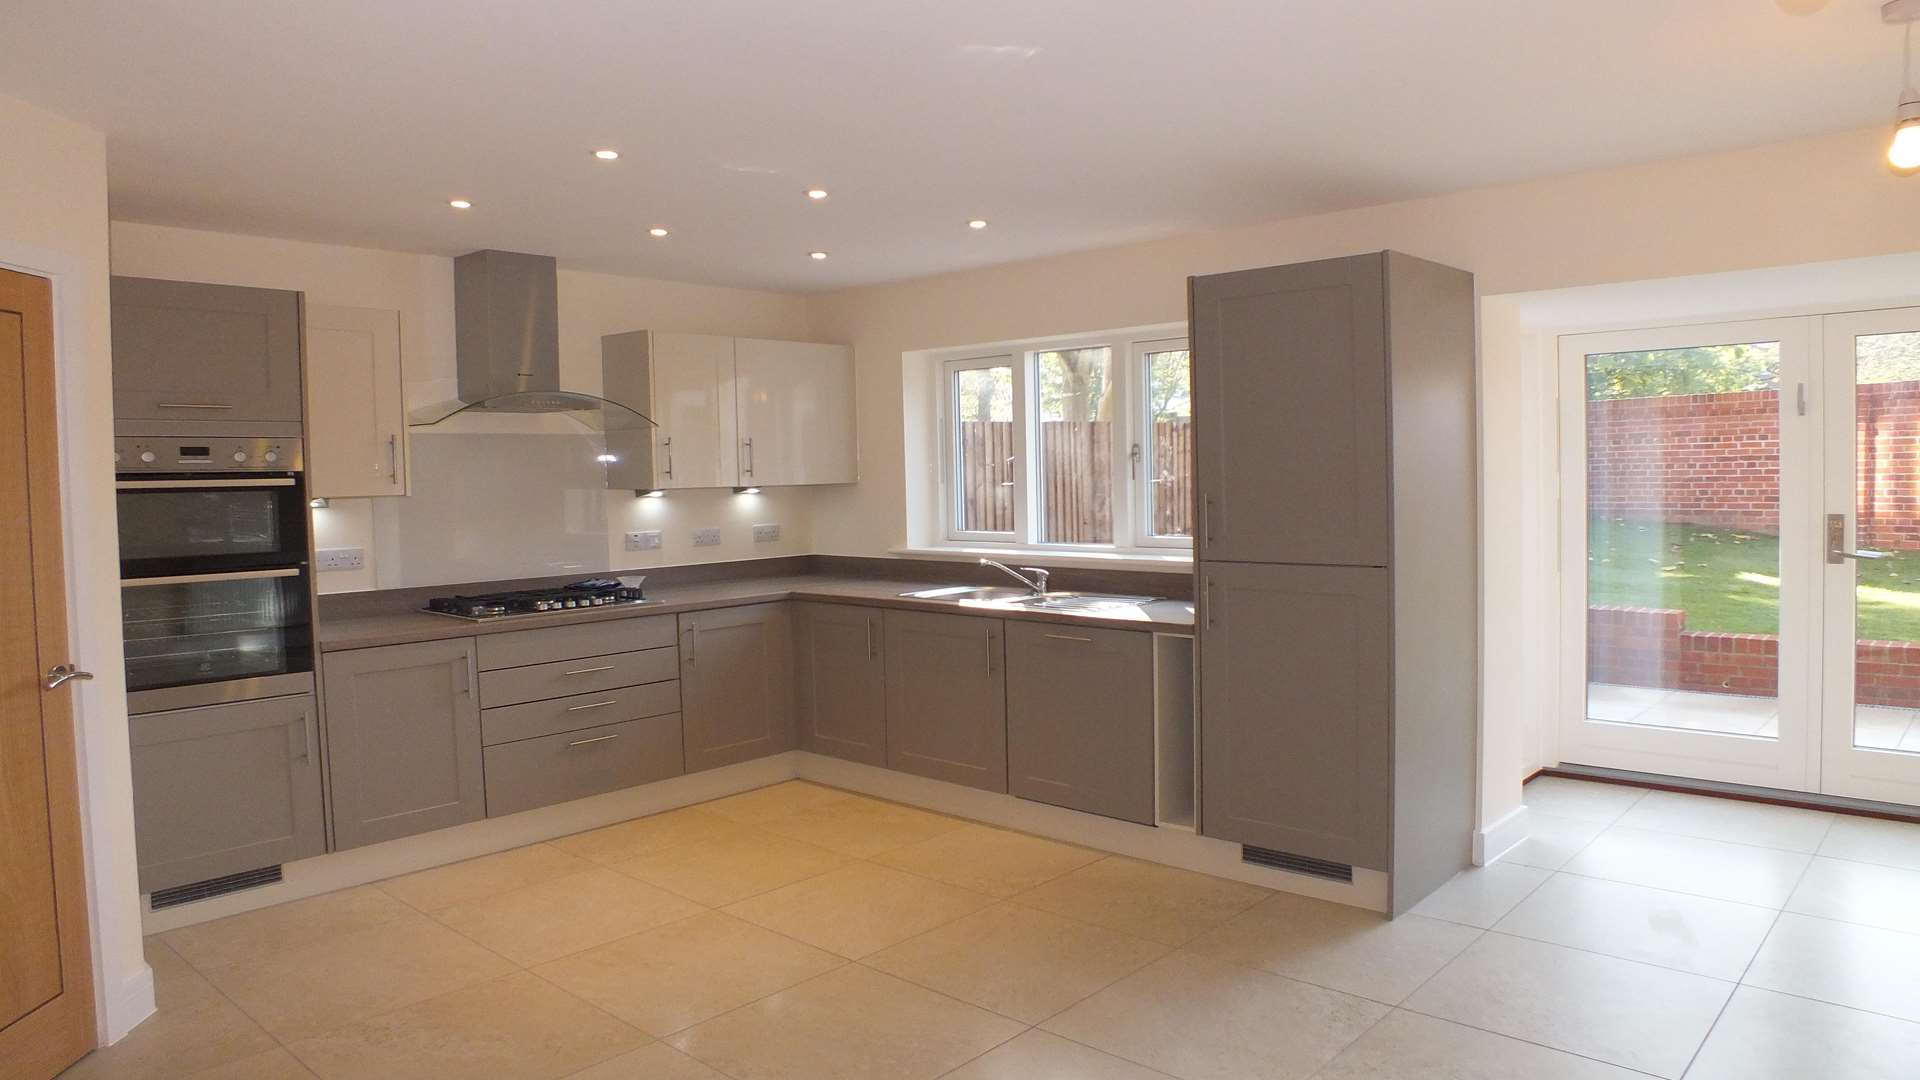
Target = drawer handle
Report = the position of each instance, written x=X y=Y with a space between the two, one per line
x=595 y=739
x=594 y=705
x=588 y=670
x=1070 y=637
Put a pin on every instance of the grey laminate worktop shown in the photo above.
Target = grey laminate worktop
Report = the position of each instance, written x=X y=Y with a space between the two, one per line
x=370 y=625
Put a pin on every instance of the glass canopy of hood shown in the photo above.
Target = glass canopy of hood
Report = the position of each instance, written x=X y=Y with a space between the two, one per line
x=591 y=412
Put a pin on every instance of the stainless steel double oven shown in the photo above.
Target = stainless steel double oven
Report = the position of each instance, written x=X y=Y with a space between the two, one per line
x=215 y=589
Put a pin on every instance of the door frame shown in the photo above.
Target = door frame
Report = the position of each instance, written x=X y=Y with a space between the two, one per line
x=1792 y=760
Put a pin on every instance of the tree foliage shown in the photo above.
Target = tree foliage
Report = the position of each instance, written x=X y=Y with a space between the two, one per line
x=1712 y=369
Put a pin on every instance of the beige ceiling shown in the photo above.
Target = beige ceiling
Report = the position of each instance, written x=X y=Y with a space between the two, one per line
x=1069 y=124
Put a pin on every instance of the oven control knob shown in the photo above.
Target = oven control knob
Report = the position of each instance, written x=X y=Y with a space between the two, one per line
x=146 y=457
x=270 y=457
x=239 y=455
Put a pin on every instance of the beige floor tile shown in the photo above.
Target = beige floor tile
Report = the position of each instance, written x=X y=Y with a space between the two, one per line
x=761 y=805
x=677 y=975
x=554 y=918
x=1785 y=827
x=1552 y=840
x=195 y=1028
x=1408 y=1046
x=272 y=1065
x=519 y=1026
x=355 y=976
x=1874 y=840
x=732 y=867
x=1580 y=799
x=631 y=839
x=1768 y=1036
x=1201 y=1020
x=445 y=886
x=1688 y=864
x=1017 y=961
x=1689 y=933
x=1630 y=1014
x=284 y=927
x=1144 y=899
x=1883 y=896
x=858 y=909
x=656 y=1062
x=850 y=1024
x=993 y=861
x=1041 y=1055
x=1482 y=895
x=1339 y=947
x=863 y=828
x=1862 y=967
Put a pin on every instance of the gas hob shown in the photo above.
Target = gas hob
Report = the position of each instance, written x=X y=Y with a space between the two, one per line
x=579 y=596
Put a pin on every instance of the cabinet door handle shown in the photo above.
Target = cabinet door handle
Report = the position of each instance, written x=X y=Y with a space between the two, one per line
x=1070 y=637
x=466 y=677
x=393 y=459
x=989 y=649
x=589 y=670
x=1206 y=522
x=306 y=738
x=667 y=444
x=869 y=623
x=595 y=739
x=693 y=641
x=749 y=457
x=1206 y=600
x=594 y=705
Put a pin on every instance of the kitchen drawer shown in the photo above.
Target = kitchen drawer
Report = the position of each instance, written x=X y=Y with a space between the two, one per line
x=517 y=648
x=575 y=764
x=512 y=686
x=536 y=718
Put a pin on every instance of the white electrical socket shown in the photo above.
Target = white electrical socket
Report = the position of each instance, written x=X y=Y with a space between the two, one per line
x=765 y=533
x=340 y=558
x=707 y=537
x=649 y=540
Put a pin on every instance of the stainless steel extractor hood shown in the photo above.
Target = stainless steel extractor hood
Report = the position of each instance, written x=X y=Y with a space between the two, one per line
x=506 y=326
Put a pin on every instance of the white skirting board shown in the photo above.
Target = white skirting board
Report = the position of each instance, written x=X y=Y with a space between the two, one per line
x=1500 y=837
x=1171 y=845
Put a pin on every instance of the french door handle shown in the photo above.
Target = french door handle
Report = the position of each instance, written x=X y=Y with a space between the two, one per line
x=1837 y=552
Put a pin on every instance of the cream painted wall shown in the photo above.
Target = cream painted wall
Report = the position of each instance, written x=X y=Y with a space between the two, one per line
x=53 y=222
x=421 y=288
x=1807 y=200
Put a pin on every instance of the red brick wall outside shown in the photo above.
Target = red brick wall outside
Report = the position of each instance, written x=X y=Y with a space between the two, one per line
x=1637 y=646
x=1713 y=459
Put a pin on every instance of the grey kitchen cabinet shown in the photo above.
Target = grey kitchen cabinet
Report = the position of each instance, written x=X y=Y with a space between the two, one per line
x=189 y=351
x=947 y=697
x=840 y=686
x=1290 y=398
x=736 y=684
x=575 y=764
x=1080 y=718
x=1338 y=619
x=403 y=740
x=226 y=788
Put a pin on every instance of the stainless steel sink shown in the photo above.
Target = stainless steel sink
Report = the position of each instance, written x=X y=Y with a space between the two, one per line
x=1011 y=596
x=993 y=594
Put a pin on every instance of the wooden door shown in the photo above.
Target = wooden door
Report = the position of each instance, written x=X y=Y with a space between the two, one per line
x=189 y=351
x=403 y=740
x=1296 y=685
x=947 y=698
x=795 y=402
x=46 y=976
x=356 y=419
x=736 y=684
x=1290 y=414
x=1080 y=718
x=842 y=682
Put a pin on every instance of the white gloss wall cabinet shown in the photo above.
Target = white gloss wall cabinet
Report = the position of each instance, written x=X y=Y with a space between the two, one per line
x=794 y=401
x=356 y=415
x=1337 y=550
x=730 y=412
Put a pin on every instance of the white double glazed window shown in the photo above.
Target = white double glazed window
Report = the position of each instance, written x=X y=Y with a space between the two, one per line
x=1081 y=443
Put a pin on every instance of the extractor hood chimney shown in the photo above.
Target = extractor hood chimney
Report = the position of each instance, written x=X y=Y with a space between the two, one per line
x=506 y=327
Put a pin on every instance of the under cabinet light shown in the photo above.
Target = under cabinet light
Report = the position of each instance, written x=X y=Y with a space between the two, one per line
x=746 y=491
x=317 y=504
x=654 y=494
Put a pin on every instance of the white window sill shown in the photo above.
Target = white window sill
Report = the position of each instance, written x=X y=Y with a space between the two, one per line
x=1171 y=562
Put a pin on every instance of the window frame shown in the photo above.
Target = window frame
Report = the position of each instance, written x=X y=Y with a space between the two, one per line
x=1141 y=487
x=1131 y=427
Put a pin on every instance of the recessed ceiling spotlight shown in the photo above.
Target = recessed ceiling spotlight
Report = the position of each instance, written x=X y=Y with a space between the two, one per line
x=460 y=204
x=656 y=231
x=977 y=223
x=607 y=155
x=816 y=255
x=816 y=194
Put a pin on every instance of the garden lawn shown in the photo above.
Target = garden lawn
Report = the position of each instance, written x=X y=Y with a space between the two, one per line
x=1729 y=580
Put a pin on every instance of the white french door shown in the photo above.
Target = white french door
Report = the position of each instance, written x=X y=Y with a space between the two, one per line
x=1740 y=555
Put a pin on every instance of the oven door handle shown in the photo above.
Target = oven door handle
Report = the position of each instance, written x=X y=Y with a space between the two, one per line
x=197 y=579
x=202 y=485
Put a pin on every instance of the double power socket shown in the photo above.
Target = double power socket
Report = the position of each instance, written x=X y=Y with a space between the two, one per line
x=650 y=539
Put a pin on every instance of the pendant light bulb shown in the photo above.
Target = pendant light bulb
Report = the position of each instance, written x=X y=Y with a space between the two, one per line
x=1903 y=153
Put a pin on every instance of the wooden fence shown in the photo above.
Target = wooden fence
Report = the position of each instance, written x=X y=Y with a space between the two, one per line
x=1076 y=497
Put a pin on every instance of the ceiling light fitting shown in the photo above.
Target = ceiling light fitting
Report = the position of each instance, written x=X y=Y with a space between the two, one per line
x=977 y=223
x=656 y=231
x=1903 y=153
x=816 y=194
x=607 y=155
x=816 y=256
x=460 y=204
